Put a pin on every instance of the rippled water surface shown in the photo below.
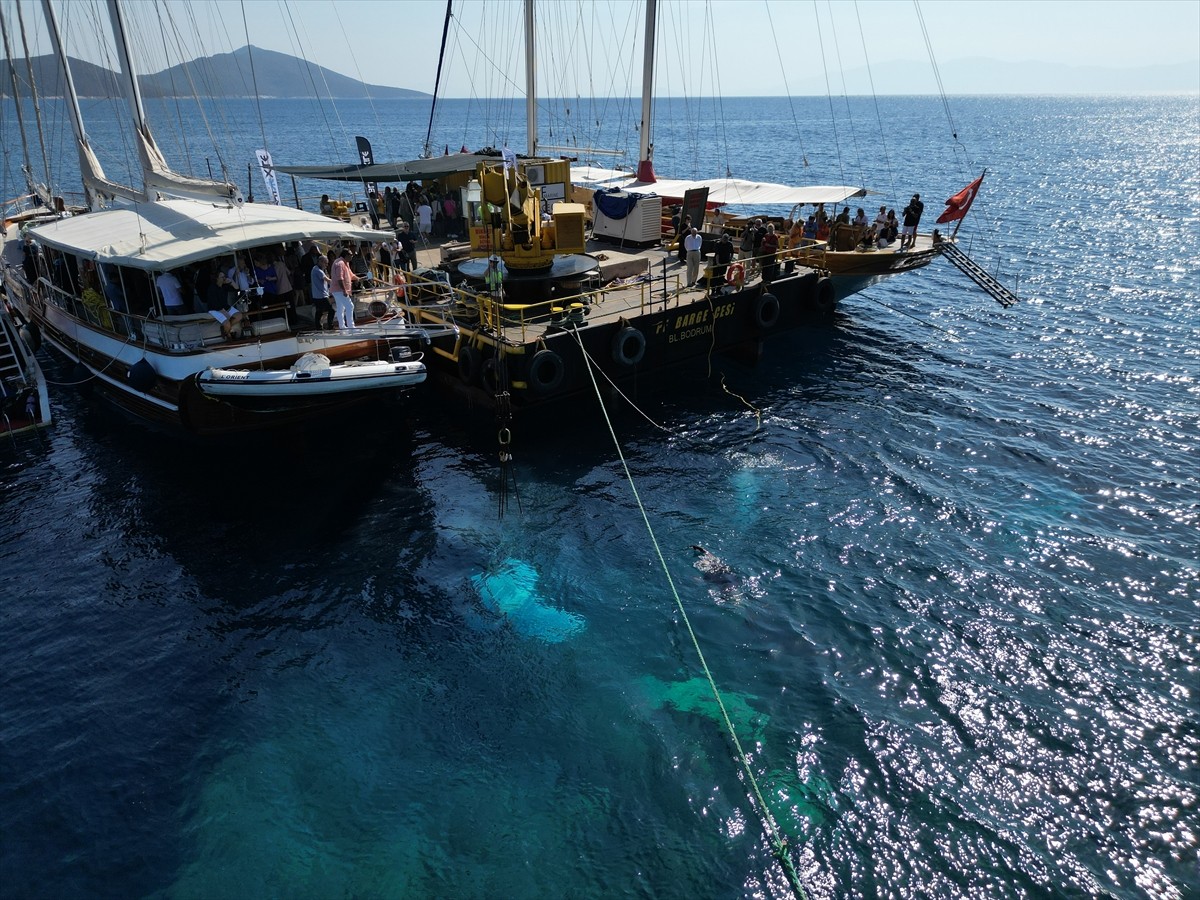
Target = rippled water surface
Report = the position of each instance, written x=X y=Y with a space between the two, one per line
x=952 y=616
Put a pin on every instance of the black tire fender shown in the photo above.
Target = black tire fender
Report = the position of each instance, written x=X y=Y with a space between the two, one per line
x=628 y=346
x=826 y=297
x=766 y=311
x=468 y=364
x=546 y=372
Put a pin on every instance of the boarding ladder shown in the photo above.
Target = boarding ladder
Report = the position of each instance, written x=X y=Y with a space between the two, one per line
x=14 y=383
x=972 y=270
x=11 y=370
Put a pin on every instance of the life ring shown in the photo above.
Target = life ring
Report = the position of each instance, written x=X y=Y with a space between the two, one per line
x=546 y=372
x=401 y=285
x=377 y=308
x=766 y=311
x=628 y=346
x=735 y=275
x=468 y=363
x=826 y=298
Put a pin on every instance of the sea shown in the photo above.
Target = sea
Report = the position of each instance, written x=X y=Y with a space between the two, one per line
x=947 y=586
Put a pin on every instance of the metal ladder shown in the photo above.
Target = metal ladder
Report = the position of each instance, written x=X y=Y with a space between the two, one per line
x=14 y=382
x=972 y=270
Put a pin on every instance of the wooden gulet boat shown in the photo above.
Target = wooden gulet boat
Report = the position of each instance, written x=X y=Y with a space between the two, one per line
x=89 y=286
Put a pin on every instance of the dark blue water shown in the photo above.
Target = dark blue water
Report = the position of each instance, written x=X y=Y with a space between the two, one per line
x=957 y=639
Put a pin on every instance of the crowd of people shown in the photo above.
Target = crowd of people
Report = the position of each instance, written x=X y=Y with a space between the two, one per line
x=760 y=243
x=426 y=211
x=284 y=277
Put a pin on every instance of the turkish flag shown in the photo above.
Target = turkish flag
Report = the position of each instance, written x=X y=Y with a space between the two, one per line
x=957 y=206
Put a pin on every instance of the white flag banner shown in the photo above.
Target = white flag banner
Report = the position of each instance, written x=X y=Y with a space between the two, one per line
x=268 y=170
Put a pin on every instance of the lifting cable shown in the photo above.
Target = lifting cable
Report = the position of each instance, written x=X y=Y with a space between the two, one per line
x=777 y=840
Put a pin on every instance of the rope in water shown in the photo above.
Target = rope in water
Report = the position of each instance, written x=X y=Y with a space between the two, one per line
x=777 y=840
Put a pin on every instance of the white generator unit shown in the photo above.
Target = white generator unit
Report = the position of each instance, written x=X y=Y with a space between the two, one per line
x=641 y=226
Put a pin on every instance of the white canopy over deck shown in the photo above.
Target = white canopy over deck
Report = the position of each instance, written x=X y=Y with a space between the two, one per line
x=168 y=234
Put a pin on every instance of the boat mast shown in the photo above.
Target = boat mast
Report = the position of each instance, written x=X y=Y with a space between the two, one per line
x=96 y=186
x=530 y=82
x=12 y=74
x=437 y=83
x=157 y=173
x=645 y=170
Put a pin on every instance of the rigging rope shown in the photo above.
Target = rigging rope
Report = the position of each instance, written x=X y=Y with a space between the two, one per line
x=846 y=99
x=162 y=32
x=299 y=46
x=914 y=318
x=937 y=75
x=875 y=99
x=787 y=88
x=254 y=79
x=776 y=838
x=829 y=95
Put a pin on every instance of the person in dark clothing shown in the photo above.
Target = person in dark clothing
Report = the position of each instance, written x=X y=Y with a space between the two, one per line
x=406 y=257
x=373 y=209
x=722 y=256
x=912 y=218
x=685 y=228
x=30 y=263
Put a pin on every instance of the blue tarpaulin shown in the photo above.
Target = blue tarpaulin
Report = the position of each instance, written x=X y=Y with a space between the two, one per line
x=615 y=203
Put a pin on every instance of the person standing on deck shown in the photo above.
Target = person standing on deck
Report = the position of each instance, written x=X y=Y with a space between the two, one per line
x=425 y=217
x=768 y=250
x=343 y=287
x=747 y=246
x=172 y=294
x=284 y=292
x=404 y=208
x=390 y=207
x=406 y=258
x=692 y=245
x=450 y=209
x=493 y=278
x=723 y=256
x=319 y=283
x=912 y=218
x=685 y=226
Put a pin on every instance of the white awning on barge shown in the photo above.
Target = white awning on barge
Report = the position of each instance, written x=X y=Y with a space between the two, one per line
x=741 y=192
x=168 y=234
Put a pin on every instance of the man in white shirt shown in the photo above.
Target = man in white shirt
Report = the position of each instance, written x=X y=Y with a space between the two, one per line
x=425 y=218
x=172 y=294
x=692 y=244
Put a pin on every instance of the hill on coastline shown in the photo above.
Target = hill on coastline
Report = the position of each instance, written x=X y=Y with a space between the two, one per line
x=225 y=75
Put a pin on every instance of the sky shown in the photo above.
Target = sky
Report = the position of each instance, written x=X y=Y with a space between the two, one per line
x=706 y=47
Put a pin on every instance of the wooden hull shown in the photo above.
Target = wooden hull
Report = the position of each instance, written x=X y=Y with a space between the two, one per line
x=158 y=385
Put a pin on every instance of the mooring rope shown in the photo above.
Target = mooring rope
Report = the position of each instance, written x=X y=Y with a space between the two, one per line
x=777 y=840
x=95 y=374
x=918 y=319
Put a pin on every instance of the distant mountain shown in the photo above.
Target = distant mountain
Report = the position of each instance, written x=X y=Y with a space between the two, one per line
x=226 y=75
x=276 y=75
x=281 y=75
